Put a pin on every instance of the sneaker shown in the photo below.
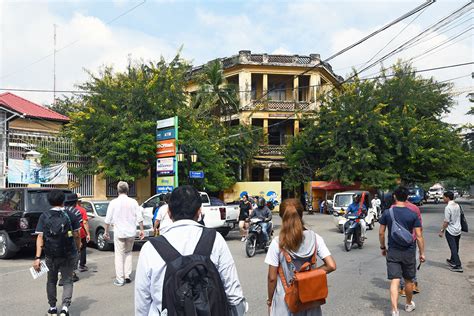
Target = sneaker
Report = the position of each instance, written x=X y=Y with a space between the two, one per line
x=83 y=268
x=243 y=239
x=450 y=263
x=395 y=313
x=410 y=307
x=416 y=290
x=402 y=293
x=53 y=311
x=128 y=280
x=456 y=269
x=64 y=311
x=118 y=283
x=75 y=278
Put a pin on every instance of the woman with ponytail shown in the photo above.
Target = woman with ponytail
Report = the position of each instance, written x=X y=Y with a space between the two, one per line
x=300 y=243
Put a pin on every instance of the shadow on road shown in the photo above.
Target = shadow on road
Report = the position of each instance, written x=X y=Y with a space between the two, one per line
x=378 y=302
x=81 y=304
x=381 y=283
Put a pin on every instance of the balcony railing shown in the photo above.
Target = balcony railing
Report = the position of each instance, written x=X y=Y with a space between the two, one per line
x=276 y=105
x=271 y=150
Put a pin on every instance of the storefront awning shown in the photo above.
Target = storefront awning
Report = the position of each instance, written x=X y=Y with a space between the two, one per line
x=331 y=186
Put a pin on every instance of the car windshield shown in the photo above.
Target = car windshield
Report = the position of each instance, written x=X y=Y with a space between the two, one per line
x=343 y=200
x=205 y=199
x=101 y=208
x=38 y=201
x=412 y=191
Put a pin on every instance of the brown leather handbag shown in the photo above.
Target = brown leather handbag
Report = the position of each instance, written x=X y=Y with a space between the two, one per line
x=308 y=288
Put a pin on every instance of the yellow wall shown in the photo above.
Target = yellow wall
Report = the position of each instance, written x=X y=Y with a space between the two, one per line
x=260 y=188
x=100 y=190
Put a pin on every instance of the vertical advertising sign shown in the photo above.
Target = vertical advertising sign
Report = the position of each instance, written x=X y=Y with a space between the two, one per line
x=166 y=162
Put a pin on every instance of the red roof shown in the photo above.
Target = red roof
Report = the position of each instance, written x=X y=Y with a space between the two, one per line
x=24 y=107
x=332 y=185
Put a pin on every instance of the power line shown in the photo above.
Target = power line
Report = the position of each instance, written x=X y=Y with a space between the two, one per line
x=68 y=45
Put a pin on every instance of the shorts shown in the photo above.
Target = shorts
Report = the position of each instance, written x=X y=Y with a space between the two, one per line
x=401 y=263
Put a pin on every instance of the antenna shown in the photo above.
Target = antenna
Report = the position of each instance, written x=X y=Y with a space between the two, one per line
x=54 y=66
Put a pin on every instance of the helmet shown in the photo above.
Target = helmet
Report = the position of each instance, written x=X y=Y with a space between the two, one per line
x=261 y=202
x=356 y=197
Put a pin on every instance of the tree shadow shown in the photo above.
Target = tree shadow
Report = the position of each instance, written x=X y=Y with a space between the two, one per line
x=81 y=304
x=381 y=283
x=436 y=264
x=378 y=302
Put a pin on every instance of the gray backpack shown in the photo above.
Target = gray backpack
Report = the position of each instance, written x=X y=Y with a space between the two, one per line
x=400 y=235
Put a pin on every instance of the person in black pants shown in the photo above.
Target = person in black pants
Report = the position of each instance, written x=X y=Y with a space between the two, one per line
x=452 y=229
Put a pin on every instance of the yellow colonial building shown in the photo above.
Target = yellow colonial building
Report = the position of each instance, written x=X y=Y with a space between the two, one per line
x=275 y=92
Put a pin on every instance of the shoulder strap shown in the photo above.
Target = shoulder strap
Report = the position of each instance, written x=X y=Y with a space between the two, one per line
x=206 y=242
x=390 y=210
x=167 y=252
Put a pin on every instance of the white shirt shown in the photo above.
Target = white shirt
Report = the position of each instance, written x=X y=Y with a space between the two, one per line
x=376 y=203
x=124 y=212
x=151 y=268
x=163 y=217
x=452 y=216
x=273 y=254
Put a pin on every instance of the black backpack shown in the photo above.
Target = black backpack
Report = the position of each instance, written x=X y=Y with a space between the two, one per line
x=192 y=284
x=58 y=237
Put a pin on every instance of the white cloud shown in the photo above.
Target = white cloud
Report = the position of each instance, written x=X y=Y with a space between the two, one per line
x=83 y=41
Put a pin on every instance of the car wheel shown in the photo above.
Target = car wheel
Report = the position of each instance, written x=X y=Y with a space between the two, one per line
x=5 y=246
x=100 y=241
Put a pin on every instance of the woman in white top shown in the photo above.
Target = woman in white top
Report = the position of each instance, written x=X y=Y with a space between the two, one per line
x=300 y=243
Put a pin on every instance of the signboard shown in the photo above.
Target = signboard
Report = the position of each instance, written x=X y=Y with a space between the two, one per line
x=165 y=181
x=165 y=165
x=165 y=134
x=166 y=162
x=196 y=174
x=165 y=148
x=169 y=122
x=164 y=189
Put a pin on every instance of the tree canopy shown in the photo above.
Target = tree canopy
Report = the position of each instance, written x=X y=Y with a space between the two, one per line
x=380 y=132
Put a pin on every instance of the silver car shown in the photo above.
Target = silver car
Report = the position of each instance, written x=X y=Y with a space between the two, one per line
x=96 y=211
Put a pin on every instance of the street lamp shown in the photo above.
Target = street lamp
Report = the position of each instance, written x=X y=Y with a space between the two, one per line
x=190 y=156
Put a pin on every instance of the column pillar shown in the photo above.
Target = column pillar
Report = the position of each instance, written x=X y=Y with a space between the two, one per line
x=265 y=85
x=296 y=127
x=248 y=171
x=265 y=131
x=296 y=84
x=266 y=174
x=245 y=85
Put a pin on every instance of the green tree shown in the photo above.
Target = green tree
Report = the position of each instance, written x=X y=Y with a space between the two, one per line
x=117 y=121
x=378 y=132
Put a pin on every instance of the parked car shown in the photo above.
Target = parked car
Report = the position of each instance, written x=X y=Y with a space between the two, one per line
x=152 y=203
x=96 y=212
x=223 y=217
x=416 y=195
x=20 y=209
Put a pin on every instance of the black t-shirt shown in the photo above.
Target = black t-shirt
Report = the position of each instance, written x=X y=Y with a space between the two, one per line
x=406 y=218
x=245 y=208
x=75 y=223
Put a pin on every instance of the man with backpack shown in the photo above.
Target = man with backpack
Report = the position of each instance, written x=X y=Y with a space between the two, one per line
x=401 y=252
x=188 y=270
x=58 y=235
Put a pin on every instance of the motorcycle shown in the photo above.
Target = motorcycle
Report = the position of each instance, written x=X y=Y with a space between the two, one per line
x=255 y=240
x=352 y=232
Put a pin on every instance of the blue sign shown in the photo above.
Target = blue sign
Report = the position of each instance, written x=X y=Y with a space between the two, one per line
x=164 y=134
x=196 y=174
x=164 y=188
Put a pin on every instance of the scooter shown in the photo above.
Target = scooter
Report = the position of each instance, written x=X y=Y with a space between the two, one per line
x=353 y=232
x=255 y=239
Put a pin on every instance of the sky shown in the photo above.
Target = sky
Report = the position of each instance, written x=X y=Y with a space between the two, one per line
x=91 y=34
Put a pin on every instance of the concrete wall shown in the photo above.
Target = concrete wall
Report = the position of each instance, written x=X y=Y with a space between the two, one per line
x=260 y=188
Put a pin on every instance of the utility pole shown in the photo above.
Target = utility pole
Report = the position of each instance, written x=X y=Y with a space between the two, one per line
x=54 y=66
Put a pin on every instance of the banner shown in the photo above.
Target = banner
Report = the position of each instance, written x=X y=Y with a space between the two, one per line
x=30 y=172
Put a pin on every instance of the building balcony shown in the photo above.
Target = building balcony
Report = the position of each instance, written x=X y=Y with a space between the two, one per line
x=271 y=150
x=277 y=105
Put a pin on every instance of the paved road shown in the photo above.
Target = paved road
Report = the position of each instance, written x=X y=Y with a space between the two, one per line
x=359 y=285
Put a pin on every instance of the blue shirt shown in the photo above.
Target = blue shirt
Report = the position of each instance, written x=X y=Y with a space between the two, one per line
x=353 y=209
x=406 y=218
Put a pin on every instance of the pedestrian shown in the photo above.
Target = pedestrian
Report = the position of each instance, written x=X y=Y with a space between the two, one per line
x=376 y=203
x=452 y=229
x=123 y=212
x=245 y=210
x=84 y=234
x=301 y=244
x=58 y=234
x=154 y=273
x=401 y=252
x=162 y=219
x=412 y=207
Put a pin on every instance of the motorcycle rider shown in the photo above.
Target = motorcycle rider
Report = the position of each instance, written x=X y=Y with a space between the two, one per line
x=263 y=212
x=353 y=209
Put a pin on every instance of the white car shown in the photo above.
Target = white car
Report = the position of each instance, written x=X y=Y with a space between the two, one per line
x=223 y=218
